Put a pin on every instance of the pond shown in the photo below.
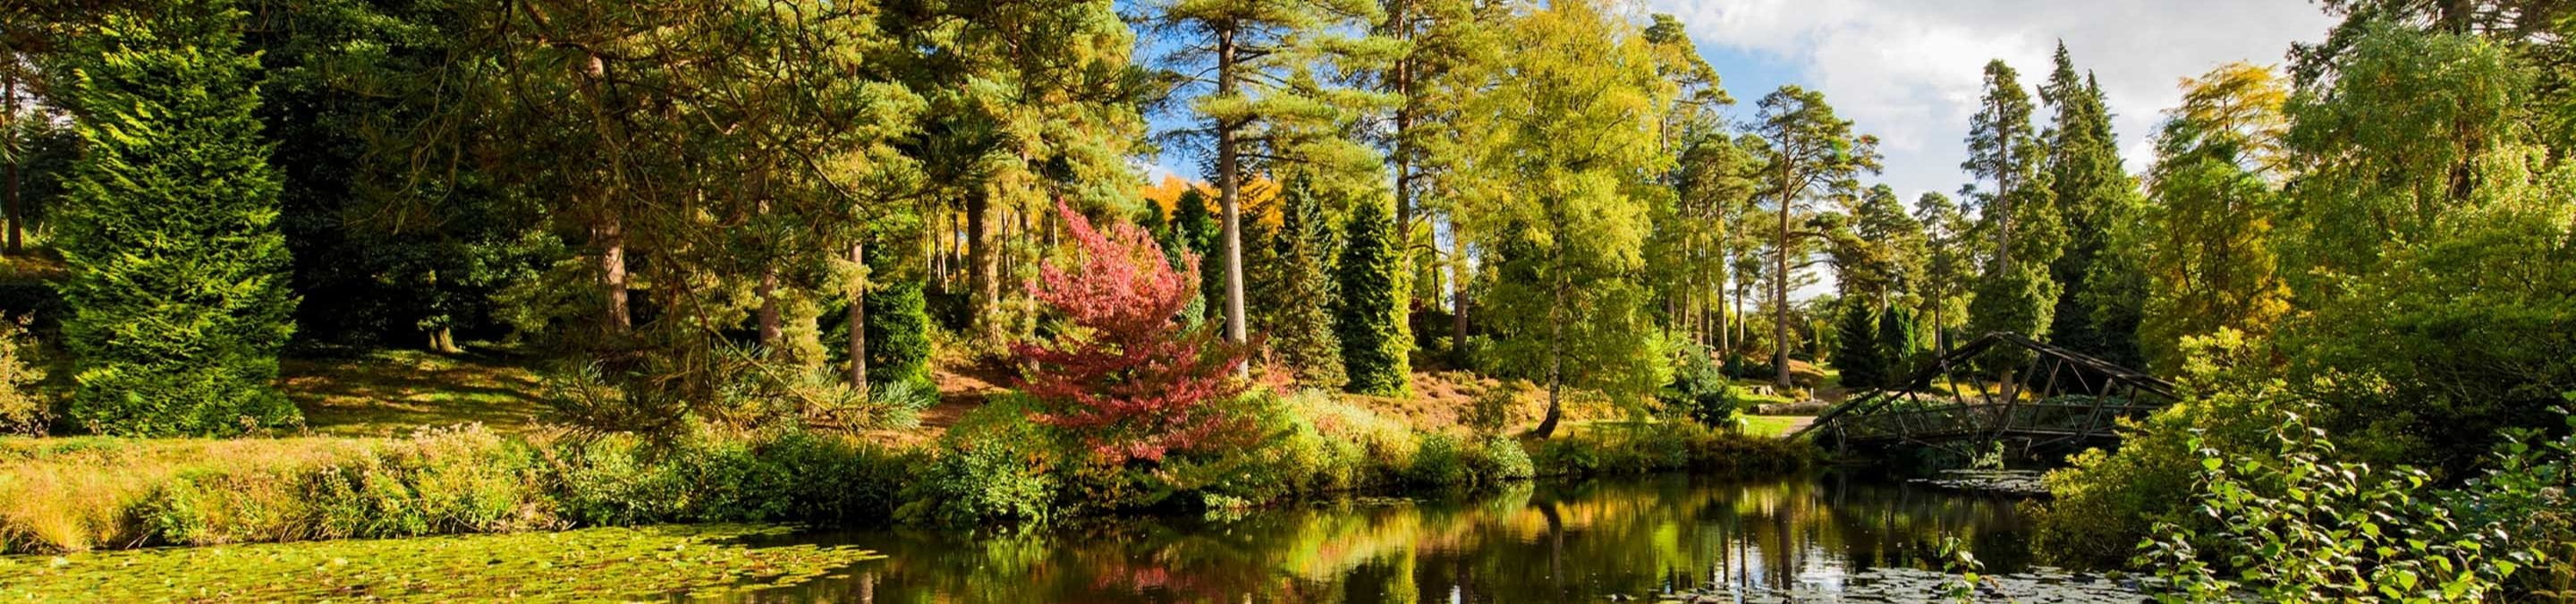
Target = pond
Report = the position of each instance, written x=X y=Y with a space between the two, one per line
x=1829 y=537
x=1664 y=538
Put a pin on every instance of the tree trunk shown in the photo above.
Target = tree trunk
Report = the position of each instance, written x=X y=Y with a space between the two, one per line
x=985 y=262
x=1458 y=293
x=1780 y=283
x=1229 y=188
x=859 y=319
x=9 y=129
x=1555 y=341
x=612 y=273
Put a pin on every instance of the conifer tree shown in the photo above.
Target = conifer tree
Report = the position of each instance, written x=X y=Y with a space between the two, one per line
x=2016 y=294
x=1376 y=340
x=1900 y=348
x=2094 y=195
x=1808 y=152
x=1856 y=350
x=178 y=288
x=1299 y=288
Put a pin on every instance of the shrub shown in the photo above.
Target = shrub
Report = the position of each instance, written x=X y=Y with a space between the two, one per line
x=2291 y=524
x=1699 y=391
x=1129 y=382
x=997 y=465
x=23 y=411
x=898 y=333
x=178 y=281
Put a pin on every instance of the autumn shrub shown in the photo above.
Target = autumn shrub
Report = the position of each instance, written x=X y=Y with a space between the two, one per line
x=1125 y=379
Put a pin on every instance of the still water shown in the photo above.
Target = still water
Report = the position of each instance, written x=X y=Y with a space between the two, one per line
x=1830 y=536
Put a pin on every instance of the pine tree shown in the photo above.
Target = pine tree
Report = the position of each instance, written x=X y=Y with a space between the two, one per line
x=1856 y=350
x=1300 y=317
x=2094 y=195
x=1808 y=152
x=1901 y=349
x=2016 y=294
x=1376 y=340
x=178 y=288
x=898 y=333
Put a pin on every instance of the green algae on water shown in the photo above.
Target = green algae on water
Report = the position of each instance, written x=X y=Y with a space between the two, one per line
x=654 y=562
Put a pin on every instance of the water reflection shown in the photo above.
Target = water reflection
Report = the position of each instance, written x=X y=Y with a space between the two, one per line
x=1546 y=542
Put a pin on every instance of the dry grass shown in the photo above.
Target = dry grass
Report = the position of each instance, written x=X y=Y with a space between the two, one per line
x=78 y=493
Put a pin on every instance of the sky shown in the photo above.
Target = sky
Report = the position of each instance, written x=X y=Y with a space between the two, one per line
x=1910 y=71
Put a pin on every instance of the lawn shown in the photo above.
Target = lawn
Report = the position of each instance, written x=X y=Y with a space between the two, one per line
x=1773 y=425
x=392 y=392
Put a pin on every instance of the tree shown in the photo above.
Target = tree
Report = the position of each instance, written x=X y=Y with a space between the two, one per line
x=1370 y=319
x=2212 y=265
x=1299 y=282
x=1265 y=100
x=178 y=288
x=2016 y=294
x=1571 y=122
x=1128 y=380
x=2094 y=196
x=1807 y=152
x=1856 y=350
x=1900 y=349
x=1949 y=271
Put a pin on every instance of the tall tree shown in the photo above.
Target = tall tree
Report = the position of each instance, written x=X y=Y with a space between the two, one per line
x=1299 y=282
x=178 y=288
x=2212 y=264
x=2094 y=195
x=1807 y=154
x=2016 y=294
x=1949 y=269
x=1264 y=69
x=1370 y=321
x=1572 y=121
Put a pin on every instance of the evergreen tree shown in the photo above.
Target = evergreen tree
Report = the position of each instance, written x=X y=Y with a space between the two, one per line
x=1194 y=231
x=1808 y=152
x=2094 y=195
x=1300 y=318
x=178 y=288
x=1901 y=350
x=1376 y=340
x=898 y=333
x=1856 y=350
x=2016 y=294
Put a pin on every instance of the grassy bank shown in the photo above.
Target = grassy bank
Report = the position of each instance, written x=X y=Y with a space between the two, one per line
x=996 y=466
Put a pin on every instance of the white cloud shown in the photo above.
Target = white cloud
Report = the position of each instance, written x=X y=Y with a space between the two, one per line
x=1910 y=70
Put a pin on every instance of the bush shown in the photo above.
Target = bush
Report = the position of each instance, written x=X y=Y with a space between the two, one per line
x=997 y=465
x=1699 y=391
x=898 y=334
x=23 y=410
x=2291 y=524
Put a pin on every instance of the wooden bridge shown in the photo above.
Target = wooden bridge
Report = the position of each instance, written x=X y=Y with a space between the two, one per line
x=2054 y=399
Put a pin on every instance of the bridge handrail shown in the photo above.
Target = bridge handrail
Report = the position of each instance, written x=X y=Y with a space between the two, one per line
x=1876 y=402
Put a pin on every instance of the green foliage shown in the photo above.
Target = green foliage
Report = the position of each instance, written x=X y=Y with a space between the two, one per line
x=898 y=334
x=1699 y=391
x=1376 y=341
x=23 y=409
x=1901 y=347
x=2019 y=301
x=2212 y=263
x=2291 y=524
x=2096 y=198
x=995 y=465
x=178 y=288
x=1856 y=349
x=1298 y=286
x=2107 y=500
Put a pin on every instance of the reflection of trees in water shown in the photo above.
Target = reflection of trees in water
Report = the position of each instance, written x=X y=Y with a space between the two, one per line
x=1580 y=540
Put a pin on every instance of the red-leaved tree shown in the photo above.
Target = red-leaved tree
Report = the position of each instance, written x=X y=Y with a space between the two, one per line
x=1129 y=379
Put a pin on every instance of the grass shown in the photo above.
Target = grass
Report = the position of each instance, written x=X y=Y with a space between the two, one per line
x=1769 y=425
x=78 y=492
x=391 y=392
